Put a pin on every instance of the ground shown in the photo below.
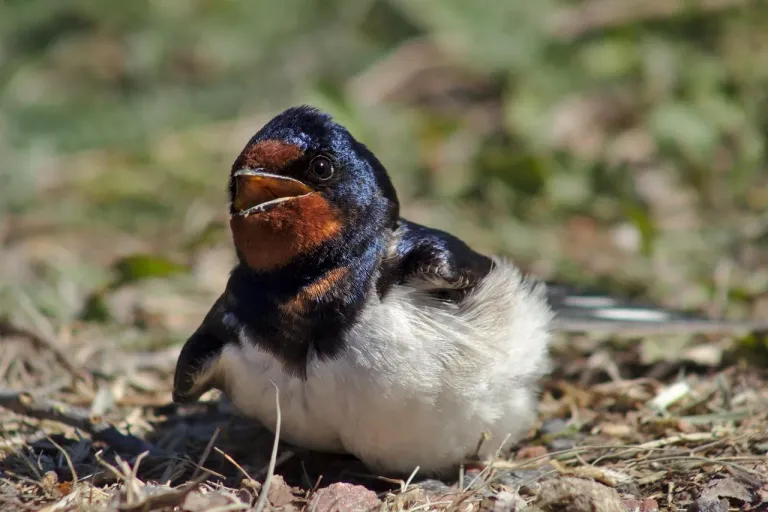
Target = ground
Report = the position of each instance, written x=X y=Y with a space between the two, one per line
x=623 y=426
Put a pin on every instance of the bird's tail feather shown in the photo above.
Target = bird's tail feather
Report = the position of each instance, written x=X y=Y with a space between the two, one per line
x=579 y=311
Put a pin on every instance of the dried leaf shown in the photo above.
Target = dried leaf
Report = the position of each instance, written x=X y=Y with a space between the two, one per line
x=729 y=488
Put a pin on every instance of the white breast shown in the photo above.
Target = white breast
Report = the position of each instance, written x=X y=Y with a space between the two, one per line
x=419 y=381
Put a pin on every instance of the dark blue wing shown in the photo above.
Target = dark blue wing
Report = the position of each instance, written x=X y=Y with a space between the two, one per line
x=444 y=265
x=432 y=260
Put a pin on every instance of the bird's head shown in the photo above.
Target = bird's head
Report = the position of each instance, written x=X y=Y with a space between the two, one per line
x=303 y=186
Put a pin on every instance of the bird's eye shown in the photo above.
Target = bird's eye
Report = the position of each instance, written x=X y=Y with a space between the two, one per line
x=321 y=167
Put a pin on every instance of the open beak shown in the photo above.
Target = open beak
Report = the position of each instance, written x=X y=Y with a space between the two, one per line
x=257 y=191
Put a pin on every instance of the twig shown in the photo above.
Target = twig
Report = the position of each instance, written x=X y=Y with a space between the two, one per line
x=35 y=407
x=489 y=466
x=722 y=440
x=625 y=448
x=282 y=459
x=135 y=470
x=29 y=462
x=231 y=506
x=20 y=478
x=410 y=479
x=210 y=472
x=587 y=471
x=695 y=437
x=426 y=506
x=112 y=469
x=234 y=463
x=313 y=490
x=670 y=494
x=661 y=443
x=206 y=452
x=66 y=458
x=9 y=329
x=169 y=499
x=168 y=473
x=131 y=485
x=468 y=491
x=261 y=502
x=699 y=460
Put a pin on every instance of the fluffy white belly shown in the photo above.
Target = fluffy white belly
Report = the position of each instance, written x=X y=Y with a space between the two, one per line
x=419 y=381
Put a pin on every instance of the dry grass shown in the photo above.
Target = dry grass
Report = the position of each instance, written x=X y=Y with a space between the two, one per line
x=81 y=438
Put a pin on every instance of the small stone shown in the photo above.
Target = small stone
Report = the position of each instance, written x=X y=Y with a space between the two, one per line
x=343 y=497
x=561 y=443
x=198 y=502
x=50 y=481
x=509 y=501
x=434 y=486
x=705 y=504
x=554 y=426
x=531 y=452
x=577 y=495
x=518 y=477
x=279 y=494
x=245 y=495
x=646 y=505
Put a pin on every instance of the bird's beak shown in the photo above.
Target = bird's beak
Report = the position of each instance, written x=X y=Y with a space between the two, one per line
x=257 y=191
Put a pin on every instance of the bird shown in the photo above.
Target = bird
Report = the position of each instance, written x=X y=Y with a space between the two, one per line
x=388 y=340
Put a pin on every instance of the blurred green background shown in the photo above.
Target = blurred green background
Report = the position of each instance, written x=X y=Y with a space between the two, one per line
x=617 y=143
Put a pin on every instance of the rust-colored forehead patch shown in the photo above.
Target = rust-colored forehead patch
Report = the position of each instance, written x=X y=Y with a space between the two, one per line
x=269 y=154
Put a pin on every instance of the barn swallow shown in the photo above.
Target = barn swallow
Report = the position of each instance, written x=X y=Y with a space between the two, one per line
x=386 y=339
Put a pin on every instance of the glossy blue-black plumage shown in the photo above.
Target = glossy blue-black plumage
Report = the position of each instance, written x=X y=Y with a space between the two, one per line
x=373 y=244
x=373 y=251
x=361 y=191
x=422 y=252
x=360 y=185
